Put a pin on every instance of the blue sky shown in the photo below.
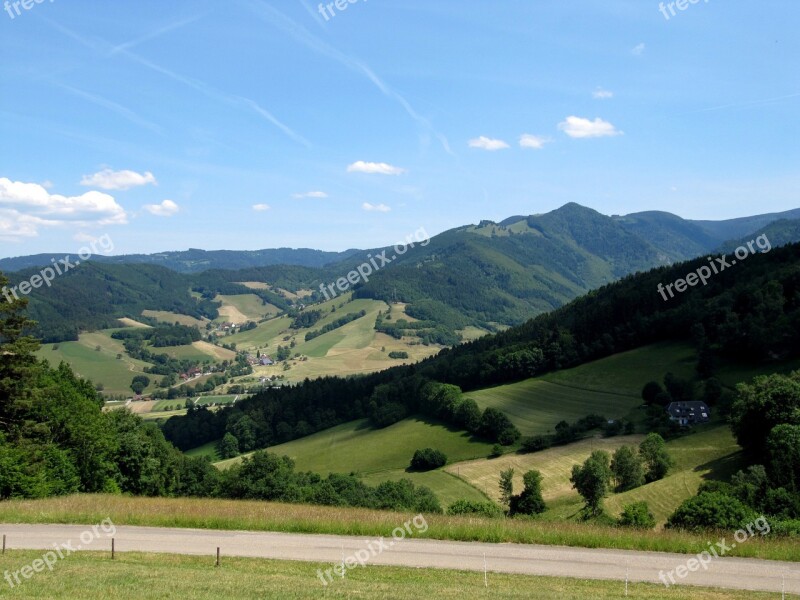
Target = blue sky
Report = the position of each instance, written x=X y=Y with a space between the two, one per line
x=256 y=124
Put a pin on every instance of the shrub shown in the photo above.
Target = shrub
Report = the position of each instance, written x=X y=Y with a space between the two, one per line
x=467 y=507
x=497 y=451
x=428 y=459
x=637 y=515
x=535 y=443
x=710 y=510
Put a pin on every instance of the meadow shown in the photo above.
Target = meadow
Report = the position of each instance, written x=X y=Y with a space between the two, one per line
x=133 y=576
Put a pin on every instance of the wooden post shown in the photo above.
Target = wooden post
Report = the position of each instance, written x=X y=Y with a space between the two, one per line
x=485 y=573
x=217 y=555
x=4 y=543
x=112 y=549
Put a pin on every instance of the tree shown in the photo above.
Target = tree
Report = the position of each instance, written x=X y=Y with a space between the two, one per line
x=763 y=405
x=228 y=446
x=428 y=459
x=638 y=516
x=530 y=501
x=591 y=481
x=627 y=468
x=139 y=384
x=650 y=391
x=680 y=389
x=506 y=486
x=657 y=461
x=783 y=446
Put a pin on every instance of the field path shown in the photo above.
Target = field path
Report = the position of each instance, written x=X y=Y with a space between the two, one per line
x=583 y=563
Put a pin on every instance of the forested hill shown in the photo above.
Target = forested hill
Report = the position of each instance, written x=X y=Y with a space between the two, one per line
x=490 y=275
x=749 y=312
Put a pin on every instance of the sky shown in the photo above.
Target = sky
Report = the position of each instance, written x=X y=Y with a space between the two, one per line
x=249 y=124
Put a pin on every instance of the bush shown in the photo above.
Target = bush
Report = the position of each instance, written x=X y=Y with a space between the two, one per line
x=497 y=451
x=398 y=354
x=535 y=443
x=710 y=510
x=428 y=459
x=637 y=515
x=467 y=507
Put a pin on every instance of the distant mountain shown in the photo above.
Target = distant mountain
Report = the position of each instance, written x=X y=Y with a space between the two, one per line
x=195 y=261
x=780 y=233
x=489 y=275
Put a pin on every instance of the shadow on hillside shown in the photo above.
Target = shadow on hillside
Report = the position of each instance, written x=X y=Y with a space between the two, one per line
x=722 y=468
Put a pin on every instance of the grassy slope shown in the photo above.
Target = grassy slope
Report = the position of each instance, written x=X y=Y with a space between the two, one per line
x=611 y=387
x=102 y=366
x=138 y=576
x=243 y=515
x=352 y=349
x=385 y=453
x=711 y=452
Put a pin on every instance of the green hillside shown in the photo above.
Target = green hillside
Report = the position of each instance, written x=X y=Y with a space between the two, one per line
x=384 y=454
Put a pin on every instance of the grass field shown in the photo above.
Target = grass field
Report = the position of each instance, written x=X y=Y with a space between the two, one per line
x=100 y=366
x=711 y=452
x=243 y=308
x=383 y=454
x=244 y=515
x=353 y=349
x=142 y=576
x=611 y=387
x=171 y=318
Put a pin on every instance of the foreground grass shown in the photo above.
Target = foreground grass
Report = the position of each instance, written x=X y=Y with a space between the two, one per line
x=134 y=575
x=295 y=518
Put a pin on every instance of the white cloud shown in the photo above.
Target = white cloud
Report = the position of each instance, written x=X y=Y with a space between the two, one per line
x=118 y=180
x=601 y=94
x=320 y=195
x=536 y=142
x=374 y=168
x=84 y=237
x=166 y=209
x=638 y=50
x=577 y=127
x=26 y=207
x=375 y=207
x=485 y=143
x=261 y=207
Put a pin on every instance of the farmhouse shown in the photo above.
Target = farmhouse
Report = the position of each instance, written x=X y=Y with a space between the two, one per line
x=688 y=413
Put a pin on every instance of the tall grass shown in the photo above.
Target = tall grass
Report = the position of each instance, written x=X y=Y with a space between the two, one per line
x=293 y=518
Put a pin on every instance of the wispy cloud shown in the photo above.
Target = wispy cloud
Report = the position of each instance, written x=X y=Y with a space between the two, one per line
x=118 y=180
x=536 y=142
x=110 y=105
x=638 y=49
x=166 y=209
x=601 y=94
x=485 y=143
x=261 y=207
x=156 y=33
x=577 y=127
x=375 y=207
x=374 y=168
x=319 y=195
x=285 y=23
